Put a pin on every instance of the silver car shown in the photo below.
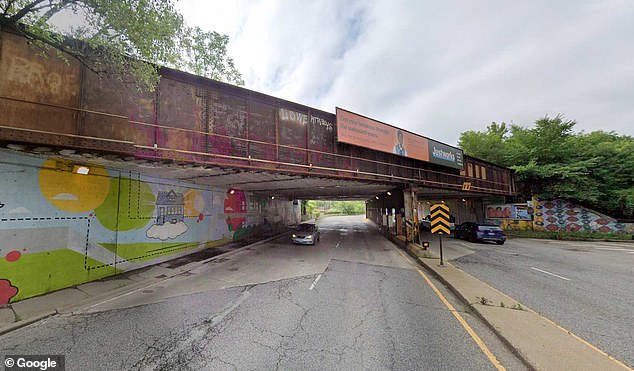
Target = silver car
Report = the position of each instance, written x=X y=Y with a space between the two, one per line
x=306 y=234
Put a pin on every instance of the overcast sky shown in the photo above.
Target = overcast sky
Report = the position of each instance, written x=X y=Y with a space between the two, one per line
x=437 y=68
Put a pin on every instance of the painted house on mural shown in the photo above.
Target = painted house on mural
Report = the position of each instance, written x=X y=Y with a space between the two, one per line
x=170 y=206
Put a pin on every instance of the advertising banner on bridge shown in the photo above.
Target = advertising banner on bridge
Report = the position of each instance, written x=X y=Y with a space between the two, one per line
x=365 y=132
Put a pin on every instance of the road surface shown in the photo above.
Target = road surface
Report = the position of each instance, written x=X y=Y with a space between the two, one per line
x=352 y=302
x=585 y=287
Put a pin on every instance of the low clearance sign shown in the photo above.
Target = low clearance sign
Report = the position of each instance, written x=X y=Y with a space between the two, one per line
x=364 y=132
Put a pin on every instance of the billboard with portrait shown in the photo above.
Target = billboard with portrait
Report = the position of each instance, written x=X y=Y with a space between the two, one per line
x=362 y=131
x=508 y=211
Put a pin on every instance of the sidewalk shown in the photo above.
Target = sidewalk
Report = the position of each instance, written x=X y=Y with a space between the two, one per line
x=31 y=310
x=541 y=343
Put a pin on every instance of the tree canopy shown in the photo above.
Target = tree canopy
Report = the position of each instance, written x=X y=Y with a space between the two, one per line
x=113 y=35
x=595 y=169
x=334 y=207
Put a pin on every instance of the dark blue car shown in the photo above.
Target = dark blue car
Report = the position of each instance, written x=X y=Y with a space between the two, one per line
x=483 y=232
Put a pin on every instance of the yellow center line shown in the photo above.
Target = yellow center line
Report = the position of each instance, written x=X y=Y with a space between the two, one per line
x=464 y=323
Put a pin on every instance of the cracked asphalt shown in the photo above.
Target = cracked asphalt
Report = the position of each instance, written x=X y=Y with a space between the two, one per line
x=355 y=304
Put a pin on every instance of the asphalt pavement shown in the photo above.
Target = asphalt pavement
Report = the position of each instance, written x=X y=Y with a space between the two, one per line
x=586 y=287
x=351 y=302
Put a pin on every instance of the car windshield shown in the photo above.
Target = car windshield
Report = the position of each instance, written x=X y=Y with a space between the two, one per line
x=306 y=227
x=490 y=228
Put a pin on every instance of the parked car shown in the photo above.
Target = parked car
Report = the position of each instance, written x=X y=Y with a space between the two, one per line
x=425 y=224
x=306 y=234
x=480 y=232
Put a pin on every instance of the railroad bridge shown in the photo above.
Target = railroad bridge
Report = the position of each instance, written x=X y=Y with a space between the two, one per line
x=86 y=156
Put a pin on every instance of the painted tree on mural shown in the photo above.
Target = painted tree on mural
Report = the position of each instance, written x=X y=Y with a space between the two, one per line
x=110 y=36
x=595 y=169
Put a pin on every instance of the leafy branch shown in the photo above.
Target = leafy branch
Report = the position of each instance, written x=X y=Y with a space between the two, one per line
x=112 y=36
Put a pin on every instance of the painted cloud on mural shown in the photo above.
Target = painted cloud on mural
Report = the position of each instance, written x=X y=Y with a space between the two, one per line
x=166 y=231
x=20 y=210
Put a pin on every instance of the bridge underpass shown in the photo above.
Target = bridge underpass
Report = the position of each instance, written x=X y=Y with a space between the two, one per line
x=121 y=179
x=100 y=180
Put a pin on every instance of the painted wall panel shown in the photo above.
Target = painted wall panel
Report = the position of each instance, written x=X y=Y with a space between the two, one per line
x=561 y=215
x=60 y=228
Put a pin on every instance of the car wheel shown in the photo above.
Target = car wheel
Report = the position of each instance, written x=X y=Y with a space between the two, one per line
x=472 y=239
x=500 y=242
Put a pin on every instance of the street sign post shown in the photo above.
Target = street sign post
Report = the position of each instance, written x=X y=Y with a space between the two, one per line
x=440 y=223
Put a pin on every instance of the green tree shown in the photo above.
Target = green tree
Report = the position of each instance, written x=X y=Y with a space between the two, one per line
x=595 y=169
x=488 y=144
x=111 y=36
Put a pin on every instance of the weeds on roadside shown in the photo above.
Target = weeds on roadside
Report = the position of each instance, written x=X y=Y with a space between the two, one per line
x=485 y=301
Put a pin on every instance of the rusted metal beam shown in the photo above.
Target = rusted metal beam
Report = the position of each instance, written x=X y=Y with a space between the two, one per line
x=11 y=134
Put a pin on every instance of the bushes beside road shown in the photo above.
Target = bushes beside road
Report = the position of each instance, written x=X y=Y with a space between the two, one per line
x=571 y=236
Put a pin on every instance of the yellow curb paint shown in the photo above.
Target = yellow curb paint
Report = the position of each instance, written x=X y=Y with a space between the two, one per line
x=464 y=324
x=561 y=328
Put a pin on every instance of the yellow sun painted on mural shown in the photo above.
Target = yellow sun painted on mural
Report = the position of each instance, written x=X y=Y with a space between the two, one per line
x=73 y=187
x=194 y=203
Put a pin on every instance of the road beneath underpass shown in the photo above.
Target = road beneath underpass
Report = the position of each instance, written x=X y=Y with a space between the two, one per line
x=585 y=287
x=353 y=301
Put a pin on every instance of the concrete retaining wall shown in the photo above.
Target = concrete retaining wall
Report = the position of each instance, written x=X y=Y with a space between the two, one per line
x=59 y=227
x=565 y=216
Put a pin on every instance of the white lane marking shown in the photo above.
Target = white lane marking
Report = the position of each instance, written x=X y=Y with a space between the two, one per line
x=217 y=319
x=552 y=274
x=630 y=252
x=197 y=334
x=337 y=245
x=610 y=248
x=125 y=294
x=312 y=285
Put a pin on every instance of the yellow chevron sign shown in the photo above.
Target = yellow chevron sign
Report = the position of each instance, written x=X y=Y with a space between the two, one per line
x=440 y=219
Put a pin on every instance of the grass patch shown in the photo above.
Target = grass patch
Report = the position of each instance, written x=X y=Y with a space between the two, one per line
x=570 y=236
x=46 y=271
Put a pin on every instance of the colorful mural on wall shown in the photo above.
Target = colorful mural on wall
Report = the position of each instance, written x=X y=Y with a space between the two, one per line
x=508 y=211
x=557 y=215
x=561 y=215
x=64 y=222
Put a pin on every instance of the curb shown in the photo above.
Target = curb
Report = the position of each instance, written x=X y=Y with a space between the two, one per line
x=195 y=265
x=540 y=327
x=16 y=325
x=129 y=289
x=462 y=298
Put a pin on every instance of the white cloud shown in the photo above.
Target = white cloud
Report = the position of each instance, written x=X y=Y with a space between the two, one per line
x=166 y=231
x=438 y=68
x=20 y=210
x=66 y=197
